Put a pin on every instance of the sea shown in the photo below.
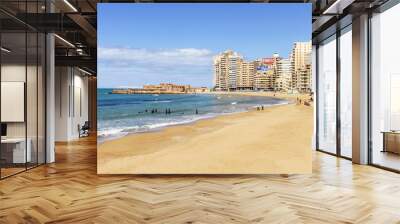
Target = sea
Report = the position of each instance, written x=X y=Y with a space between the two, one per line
x=122 y=114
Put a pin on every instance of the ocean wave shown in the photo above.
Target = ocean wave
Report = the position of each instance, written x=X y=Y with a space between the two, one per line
x=121 y=131
x=161 y=101
x=271 y=105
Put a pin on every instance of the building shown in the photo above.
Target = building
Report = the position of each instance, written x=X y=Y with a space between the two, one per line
x=264 y=80
x=227 y=68
x=233 y=73
x=304 y=79
x=301 y=55
x=199 y=90
x=283 y=79
x=246 y=76
x=301 y=60
x=234 y=68
x=162 y=88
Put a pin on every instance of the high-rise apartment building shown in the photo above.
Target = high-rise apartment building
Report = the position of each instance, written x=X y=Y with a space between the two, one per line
x=246 y=76
x=300 y=58
x=301 y=54
x=304 y=79
x=232 y=72
x=283 y=81
x=227 y=66
x=264 y=80
x=273 y=63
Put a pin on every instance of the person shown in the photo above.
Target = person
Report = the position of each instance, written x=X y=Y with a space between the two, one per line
x=197 y=112
x=262 y=107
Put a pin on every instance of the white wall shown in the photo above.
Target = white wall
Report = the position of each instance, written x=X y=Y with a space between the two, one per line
x=33 y=126
x=71 y=102
x=17 y=73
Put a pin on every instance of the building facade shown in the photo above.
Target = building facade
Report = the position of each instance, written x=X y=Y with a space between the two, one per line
x=246 y=76
x=292 y=75
x=283 y=81
x=301 y=66
x=226 y=70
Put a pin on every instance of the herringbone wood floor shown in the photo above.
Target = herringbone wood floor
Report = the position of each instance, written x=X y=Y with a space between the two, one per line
x=69 y=191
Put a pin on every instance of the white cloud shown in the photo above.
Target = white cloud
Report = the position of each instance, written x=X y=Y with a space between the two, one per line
x=138 y=66
x=183 y=56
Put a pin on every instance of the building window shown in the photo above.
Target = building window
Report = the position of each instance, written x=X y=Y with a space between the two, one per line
x=385 y=89
x=22 y=77
x=346 y=92
x=327 y=95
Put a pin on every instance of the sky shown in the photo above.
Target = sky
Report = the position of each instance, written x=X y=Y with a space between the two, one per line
x=152 y=43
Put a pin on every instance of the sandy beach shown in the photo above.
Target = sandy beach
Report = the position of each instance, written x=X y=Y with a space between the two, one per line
x=280 y=95
x=276 y=140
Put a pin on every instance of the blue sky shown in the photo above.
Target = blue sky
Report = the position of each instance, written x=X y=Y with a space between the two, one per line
x=152 y=43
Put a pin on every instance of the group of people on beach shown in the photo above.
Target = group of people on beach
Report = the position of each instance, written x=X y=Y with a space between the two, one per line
x=260 y=107
x=167 y=111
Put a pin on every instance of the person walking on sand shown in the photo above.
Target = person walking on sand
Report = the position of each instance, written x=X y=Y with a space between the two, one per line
x=262 y=107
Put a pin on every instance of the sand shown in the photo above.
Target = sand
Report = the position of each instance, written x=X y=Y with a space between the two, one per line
x=276 y=140
x=281 y=95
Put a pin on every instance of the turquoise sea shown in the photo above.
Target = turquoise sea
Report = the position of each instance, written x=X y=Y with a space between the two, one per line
x=120 y=114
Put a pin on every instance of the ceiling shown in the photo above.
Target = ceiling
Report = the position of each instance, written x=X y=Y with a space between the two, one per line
x=75 y=21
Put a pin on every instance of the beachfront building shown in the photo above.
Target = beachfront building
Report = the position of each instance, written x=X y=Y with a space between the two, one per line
x=226 y=70
x=199 y=90
x=304 y=79
x=272 y=64
x=167 y=87
x=246 y=76
x=233 y=73
x=162 y=88
x=234 y=64
x=283 y=81
x=264 y=80
x=220 y=72
x=301 y=54
x=300 y=58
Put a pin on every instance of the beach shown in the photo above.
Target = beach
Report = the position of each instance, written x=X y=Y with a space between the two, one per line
x=276 y=140
x=279 y=95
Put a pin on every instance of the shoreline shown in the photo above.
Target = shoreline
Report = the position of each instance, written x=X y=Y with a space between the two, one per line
x=305 y=97
x=106 y=139
x=188 y=142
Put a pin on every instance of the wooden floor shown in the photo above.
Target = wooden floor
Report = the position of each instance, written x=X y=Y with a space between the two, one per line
x=69 y=191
